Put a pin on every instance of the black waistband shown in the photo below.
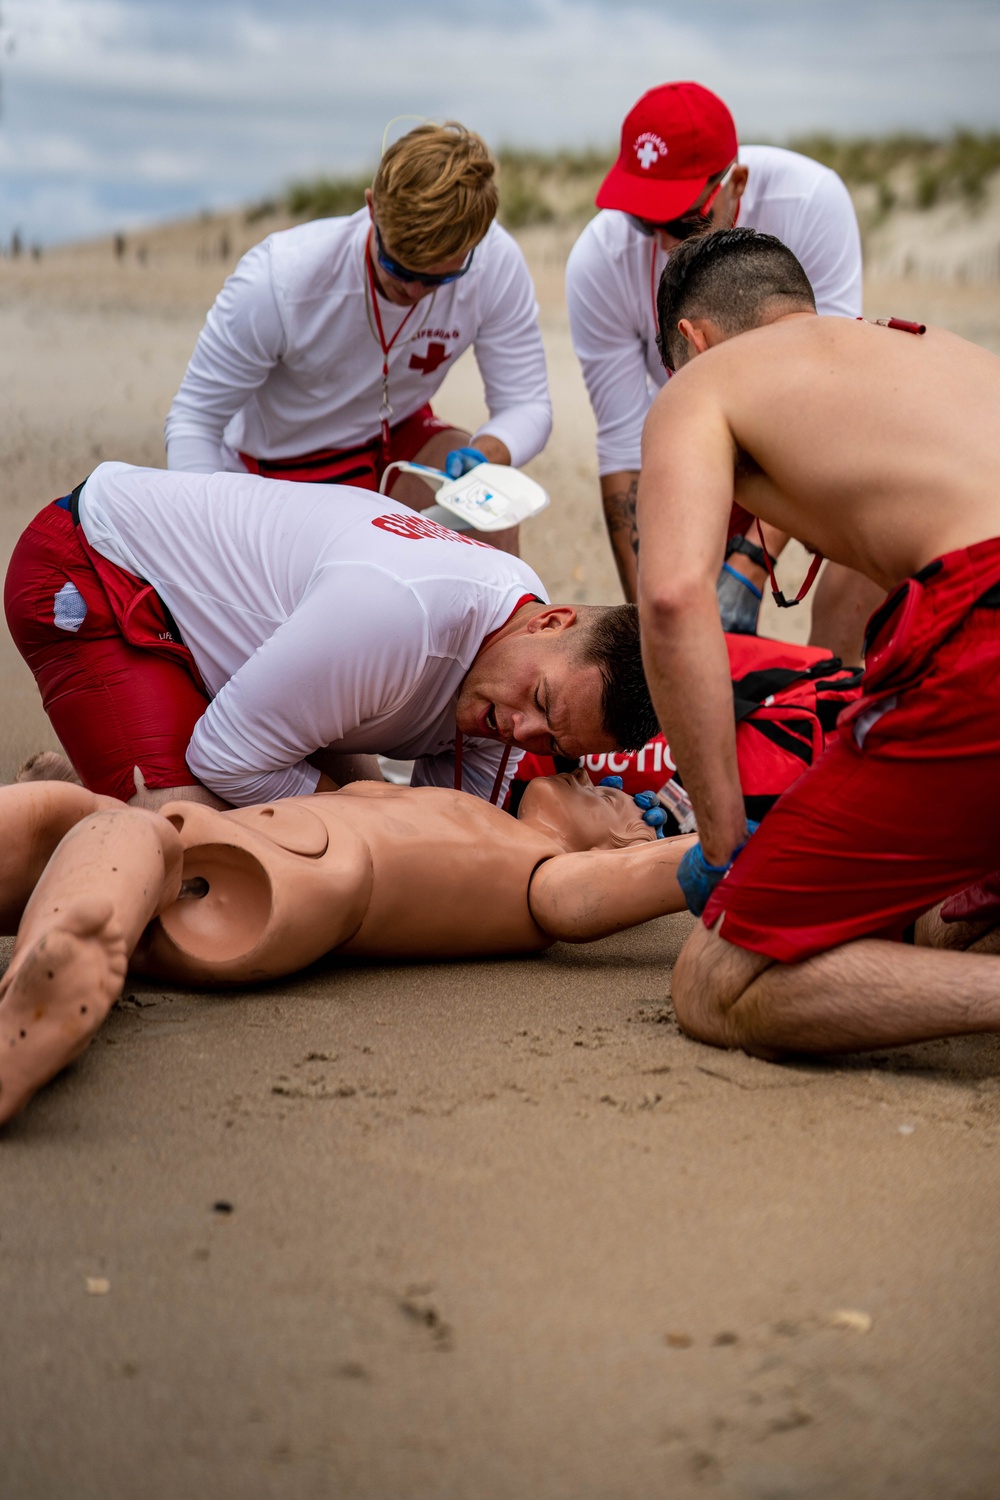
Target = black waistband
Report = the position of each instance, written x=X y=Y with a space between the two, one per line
x=71 y=502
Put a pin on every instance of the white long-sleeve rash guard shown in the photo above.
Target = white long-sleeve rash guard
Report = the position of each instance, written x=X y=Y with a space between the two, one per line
x=613 y=271
x=317 y=616
x=288 y=361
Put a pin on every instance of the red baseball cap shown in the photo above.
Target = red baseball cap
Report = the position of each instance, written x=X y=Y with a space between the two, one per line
x=676 y=138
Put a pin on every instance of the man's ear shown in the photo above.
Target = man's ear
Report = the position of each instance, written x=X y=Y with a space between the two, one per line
x=370 y=204
x=697 y=334
x=553 y=618
x=738 y=181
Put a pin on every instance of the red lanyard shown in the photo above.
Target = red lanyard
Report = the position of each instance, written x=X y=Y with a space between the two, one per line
x=501 y=769
x=385 y=410
x=807 y=583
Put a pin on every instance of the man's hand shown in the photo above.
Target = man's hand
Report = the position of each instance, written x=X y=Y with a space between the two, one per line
x=652 y=812
x=460 y=460
x=739 y=601
x=698 y=879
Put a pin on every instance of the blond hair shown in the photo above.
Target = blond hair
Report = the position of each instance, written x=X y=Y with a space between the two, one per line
x=435 y=194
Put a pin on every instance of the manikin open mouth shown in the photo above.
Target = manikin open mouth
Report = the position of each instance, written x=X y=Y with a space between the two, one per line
x=491 y=718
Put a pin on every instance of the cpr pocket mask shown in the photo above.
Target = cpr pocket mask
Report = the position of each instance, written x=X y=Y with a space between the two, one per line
x=490 y=497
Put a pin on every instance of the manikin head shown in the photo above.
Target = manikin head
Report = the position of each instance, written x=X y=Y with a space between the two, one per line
x=722 y=284
x=432 y=201
x=560 y=679
x=677 y=171
x=580 y=816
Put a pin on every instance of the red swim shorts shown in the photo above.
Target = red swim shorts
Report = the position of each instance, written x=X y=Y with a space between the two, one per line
x=362 y=466
x=903 y=807
x=121 y=689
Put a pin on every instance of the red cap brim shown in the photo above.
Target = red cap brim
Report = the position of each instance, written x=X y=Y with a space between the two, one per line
x=649 y=198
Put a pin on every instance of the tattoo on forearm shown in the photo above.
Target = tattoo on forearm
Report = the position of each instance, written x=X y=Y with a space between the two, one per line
x=619 y=511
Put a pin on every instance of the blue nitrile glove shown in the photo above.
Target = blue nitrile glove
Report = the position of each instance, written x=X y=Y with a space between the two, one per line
x=698 y=879
x=461 y=460
x=653 y=813
x=739 y=602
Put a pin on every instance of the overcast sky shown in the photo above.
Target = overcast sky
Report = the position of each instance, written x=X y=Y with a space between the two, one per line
x=119 y=112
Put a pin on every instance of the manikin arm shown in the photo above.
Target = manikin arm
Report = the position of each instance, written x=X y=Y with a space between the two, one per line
x=577 y=898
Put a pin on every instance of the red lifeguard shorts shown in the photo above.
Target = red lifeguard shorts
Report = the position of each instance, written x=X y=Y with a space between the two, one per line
x=903 y=807
x=121 y=689
x=361 y=467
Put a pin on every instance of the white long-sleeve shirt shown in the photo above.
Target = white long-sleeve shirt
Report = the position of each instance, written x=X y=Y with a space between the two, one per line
x=317 y=616
x=289 y=360
x=613 y=272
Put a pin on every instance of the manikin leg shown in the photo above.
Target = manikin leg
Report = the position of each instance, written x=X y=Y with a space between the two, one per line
x=864 y=994
x=107 y=879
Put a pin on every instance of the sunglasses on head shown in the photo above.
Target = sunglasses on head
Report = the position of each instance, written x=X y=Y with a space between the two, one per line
x=425 y=278
x=693 y=222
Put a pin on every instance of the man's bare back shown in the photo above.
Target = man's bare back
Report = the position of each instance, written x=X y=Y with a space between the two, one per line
x=871 y=445
x=874 y=446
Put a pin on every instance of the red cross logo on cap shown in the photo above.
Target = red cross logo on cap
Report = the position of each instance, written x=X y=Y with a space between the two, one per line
x=647 y=154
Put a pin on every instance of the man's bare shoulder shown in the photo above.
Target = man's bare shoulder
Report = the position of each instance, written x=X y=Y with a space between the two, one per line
x=757 y=370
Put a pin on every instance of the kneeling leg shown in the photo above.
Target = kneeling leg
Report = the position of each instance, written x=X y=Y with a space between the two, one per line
x=865 y=994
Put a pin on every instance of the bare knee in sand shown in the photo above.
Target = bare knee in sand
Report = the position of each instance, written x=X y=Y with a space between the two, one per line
x=861 y=995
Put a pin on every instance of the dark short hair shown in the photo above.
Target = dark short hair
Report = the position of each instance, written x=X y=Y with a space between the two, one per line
x=612 y=644
x=737 y=277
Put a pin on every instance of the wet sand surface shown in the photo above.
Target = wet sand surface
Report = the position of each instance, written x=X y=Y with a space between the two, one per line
x=467 y=1230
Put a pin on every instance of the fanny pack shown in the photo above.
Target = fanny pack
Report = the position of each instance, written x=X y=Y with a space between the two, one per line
x=352 y=466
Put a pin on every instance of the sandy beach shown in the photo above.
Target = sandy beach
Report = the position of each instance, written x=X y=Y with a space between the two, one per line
x=466 y=1231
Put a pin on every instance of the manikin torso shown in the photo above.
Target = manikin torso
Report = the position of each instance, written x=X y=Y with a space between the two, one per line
x=370 y=870
x=213 y=898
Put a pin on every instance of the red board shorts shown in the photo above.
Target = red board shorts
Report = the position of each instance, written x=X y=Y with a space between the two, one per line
x=903 y=807
x=120 y=688
x=362 y=466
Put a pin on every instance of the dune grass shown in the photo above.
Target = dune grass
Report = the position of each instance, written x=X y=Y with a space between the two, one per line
x=558 y=187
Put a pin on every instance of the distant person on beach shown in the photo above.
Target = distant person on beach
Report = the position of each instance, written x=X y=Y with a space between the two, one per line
x=324 y=349
x=235 y=639
x=680 y=170
x=211 y=898
x=877 y=446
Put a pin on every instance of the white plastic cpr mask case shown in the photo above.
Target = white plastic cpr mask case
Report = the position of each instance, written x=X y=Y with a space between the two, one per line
x=490 y=497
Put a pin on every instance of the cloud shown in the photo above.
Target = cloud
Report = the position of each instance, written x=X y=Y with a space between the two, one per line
x=150 y=107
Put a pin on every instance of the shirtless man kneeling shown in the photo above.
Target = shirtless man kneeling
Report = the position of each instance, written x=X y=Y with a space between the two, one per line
x=210 y=898
x=876 y=448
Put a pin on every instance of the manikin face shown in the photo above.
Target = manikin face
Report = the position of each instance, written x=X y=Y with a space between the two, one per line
x=529 y=689
x=580 y=816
